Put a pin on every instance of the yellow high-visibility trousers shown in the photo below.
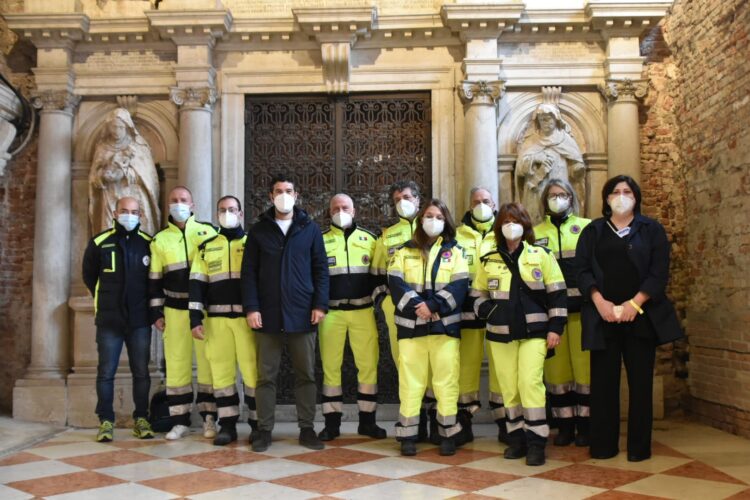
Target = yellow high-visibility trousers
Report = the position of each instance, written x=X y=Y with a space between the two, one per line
x=362 y=331
x=567 y=374
x=497 y=407
x=230 y=343
x=472 y=354
x=178 y=353
x=519 y=366
x=389 y=311
x=415 y=357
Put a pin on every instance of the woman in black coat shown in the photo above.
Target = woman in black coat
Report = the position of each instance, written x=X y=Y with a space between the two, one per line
x=622 y=264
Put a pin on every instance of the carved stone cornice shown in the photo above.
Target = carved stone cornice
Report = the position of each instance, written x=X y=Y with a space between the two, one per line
x=49 y=30
x=191 y=26
x=625 y=19
x=480 y=92
x=193 y=97
x=624 y=90
x=481 y=20
x=55 y=100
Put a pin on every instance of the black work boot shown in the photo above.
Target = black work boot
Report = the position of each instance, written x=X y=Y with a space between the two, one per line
x=408 y=447
x=368 y=427
x=582 y=431
x=261 y=440
x=309 y=439
x=226 y=435
x=447 y=447
x=435 y=437
x=535 y=454
x=253 y=429
x=464 y=418
x=565 y=432
x=502 y=431
x=516 y=445
x=332 y=427
x=422 y=430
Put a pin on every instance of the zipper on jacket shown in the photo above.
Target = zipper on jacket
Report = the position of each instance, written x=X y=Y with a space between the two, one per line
x=559 y=239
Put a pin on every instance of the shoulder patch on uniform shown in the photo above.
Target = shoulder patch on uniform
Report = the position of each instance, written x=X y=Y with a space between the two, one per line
x=575 y=229
x=331 y=261
x=146 y=260
x=542 y=241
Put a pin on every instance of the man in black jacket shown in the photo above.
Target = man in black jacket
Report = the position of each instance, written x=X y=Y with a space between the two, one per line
x=284 y=283
x=115 y=270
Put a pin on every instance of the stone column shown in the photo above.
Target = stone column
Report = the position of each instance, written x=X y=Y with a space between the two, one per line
x=480 y=132
x=49 y=321
x=623 y=138
x=195 y=158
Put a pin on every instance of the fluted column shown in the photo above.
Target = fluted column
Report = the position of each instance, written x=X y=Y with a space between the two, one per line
x=623 y=137
x=52 y=236
x=480 y=139
x=195 y=156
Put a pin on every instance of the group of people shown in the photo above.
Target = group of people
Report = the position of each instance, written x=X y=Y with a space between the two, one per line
x=555 y=307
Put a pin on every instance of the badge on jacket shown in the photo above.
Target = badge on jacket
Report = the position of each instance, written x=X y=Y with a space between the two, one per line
x=536 y=273
x=331 y=261
x=146 y=260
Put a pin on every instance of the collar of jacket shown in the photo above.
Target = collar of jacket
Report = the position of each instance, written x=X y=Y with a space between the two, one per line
x=558 y=221
x=346 y=232
x=233 y=233
x=174 y=227
x=300 y=217
x=638 y=222
x=478 y=226
x=121 y=231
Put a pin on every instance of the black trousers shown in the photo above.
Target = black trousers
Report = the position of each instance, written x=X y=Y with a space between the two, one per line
x=638 y=353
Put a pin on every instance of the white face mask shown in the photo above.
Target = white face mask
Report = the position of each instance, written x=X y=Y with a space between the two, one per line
x=128 y=221
x=558 y=206
x=284 y=203
x=342 y=219
x=512 y=231
x=621 y=204
x=433 y=227
x=228 y=220
x=406 y=209
x=180 y=212
x=482 y=212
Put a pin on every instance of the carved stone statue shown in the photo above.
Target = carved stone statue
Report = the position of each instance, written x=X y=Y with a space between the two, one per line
x=547 y=151
x=122 y=166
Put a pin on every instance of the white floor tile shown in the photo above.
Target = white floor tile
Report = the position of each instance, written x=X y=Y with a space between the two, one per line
x=394 y=467
x=72 y=450
x=398 y=489
x=34 y=470
x=152 y=469
x=530 y=487
x=268 y=470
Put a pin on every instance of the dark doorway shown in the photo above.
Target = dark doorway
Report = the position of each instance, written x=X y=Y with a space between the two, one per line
x=357 y=144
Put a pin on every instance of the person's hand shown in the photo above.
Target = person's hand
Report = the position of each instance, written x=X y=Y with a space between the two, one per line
x=423 y=312
x=317 y=316
x=254 y=320
x=198 y=332
x=160 y=324
x=628 y=312
x=606 y=310
x=553 y=340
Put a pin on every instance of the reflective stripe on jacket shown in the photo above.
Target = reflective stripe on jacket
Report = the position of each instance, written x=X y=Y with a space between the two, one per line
x=350 y=254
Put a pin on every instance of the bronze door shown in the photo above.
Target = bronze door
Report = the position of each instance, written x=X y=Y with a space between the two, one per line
x=357 y=144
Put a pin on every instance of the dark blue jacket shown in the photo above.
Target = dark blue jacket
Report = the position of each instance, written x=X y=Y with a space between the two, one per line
x=648 y=250
x=115 y=270
x=285 y=277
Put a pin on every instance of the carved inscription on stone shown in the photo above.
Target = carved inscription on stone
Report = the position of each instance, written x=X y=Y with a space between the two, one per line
x=121 y=61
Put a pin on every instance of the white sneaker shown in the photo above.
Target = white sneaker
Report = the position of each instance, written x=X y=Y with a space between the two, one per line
x=177 y=432
x=209 y=427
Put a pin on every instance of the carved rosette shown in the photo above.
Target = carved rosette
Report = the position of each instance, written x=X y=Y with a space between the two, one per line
x=193 y=97
x=55 y=100
x=625 y=90
x=480 y=92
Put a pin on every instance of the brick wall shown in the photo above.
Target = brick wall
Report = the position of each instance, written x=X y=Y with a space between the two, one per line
x=696 y=149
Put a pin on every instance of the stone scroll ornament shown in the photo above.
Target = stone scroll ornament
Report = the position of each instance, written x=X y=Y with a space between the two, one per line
x=122 y=166
x=547 y=151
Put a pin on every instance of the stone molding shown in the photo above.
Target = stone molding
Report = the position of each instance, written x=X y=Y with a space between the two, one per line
x=480 y=20
x=193 y=97
x=480 y=92
x=624 y=90
x=55 y=100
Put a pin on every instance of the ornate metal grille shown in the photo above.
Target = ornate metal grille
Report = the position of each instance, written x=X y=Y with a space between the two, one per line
x=357 y=144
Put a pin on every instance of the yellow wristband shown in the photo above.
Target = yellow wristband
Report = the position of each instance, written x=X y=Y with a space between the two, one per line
x=636 y=306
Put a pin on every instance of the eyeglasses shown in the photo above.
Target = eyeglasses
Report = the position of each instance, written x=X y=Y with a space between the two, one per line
x=559 y=196
x=231 y=210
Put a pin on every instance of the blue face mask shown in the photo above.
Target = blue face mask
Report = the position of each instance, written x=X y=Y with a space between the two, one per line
x=180 y=212
x=128 y=221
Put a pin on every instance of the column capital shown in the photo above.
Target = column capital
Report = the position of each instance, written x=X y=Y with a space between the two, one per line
x=193 y=97
x=480 y=92
x=55 y=100
x=624 y=90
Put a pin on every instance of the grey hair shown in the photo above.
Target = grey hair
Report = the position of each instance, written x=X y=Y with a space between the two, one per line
x=575 y=206
x=478 y=188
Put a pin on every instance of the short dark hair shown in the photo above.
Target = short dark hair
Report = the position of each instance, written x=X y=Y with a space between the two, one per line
x=281 y=178
x=399 y=186
x=609 y=186
x=229 y=197
x=449 y=229
x=520 y=214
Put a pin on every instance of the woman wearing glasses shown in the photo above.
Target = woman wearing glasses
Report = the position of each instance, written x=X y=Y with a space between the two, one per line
x=567 y=374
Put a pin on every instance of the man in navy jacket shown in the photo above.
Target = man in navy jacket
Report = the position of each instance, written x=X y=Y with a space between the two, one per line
x=285 y=295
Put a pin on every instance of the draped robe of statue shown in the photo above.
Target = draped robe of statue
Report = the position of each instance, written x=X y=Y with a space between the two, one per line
x=563 y=160
x=123 y=166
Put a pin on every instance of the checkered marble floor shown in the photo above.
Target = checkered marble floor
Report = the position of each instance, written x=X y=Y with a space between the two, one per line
x=689 y=461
